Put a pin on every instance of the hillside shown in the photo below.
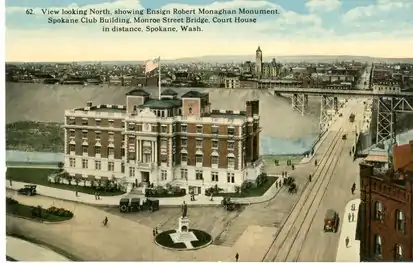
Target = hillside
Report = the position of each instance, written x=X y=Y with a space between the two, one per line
x=46 y=103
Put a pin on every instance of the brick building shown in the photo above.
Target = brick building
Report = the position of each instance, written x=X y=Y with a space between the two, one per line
x=180 y=141
x=385 y=226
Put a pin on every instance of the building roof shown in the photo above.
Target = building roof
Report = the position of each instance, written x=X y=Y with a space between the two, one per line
x=169 y=92
x=138 y=92
x=403 y=157
x=193 y=94
x=377 y=158
x=162 y=104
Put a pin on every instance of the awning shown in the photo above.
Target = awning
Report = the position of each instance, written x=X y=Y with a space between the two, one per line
x=85 y=143
x=97 y=144
x=214 y=153
x=90 y=177
x=376 y=158
x=199 y=152
x=184 y=151
x=111 y=145
x=78 y=176
x=85 y=176
x=231 y=155
x=72 y=142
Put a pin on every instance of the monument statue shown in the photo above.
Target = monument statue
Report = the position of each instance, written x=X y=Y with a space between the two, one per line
x=184 y=210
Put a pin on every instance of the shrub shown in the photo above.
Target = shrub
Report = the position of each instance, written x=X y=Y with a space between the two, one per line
x=162 y=192
x=261 y=179
x=59 y=212
x=11 y=201
x=213 y=190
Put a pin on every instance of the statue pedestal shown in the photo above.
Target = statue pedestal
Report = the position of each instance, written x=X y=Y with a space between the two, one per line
x=183 y=224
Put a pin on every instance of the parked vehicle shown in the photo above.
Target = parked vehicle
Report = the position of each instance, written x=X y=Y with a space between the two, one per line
x=230 y=205
x=28 y=189
x=135 y=205
x=331 y=221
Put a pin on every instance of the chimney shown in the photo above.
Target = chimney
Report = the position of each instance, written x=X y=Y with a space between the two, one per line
x=89 y=104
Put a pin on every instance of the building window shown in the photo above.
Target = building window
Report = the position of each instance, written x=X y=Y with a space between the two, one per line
x=164 y=158
x=111 y=151
x=214 y=129
x=123 y=124
x=230 y=178
x=97 y=122
x=111 y=137
x=199 y=175
x=97 y=150
x=72 y=134
x=111 y=166
x=214 y=160
x=72 y=148
x=164 y=129
x=84 y=134
x=111 y=123
x=97 y=136
x=214 y=176
x=84 y=163
x=164 y=175
x=400 y=221
x=131 y=126
x=122 y=167
x=72 y=162
x=398 y=252
x=230 y=145
x=183 y=127
x=184 y=142
x=84 y=149
x=98 y=165
x=190 y=110
x=198 y=143
x=184 y=157
x=231 y=131
x=131 y=171
x=377 y=245
x=122 y=152
x=163 y=143
x=85 y=122
x=199 y=129
x=378 y=210
x=231 y=161
x=214 y=144
x=199 y=158
x=184 y=174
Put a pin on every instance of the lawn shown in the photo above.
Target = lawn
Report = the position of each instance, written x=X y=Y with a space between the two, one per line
x=251 y=192
x=25 y=211
x=39 y=176
x=35 y=136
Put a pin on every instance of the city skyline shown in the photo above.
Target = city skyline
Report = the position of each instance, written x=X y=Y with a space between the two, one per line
x=376 y=28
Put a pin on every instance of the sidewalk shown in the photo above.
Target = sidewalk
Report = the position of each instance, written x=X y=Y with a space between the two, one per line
x=348 y=229
x=32 y=252
x=200 y=200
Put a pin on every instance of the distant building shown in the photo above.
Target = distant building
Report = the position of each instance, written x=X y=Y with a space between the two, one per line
x=232 y=83
x=265 y=70
x=385 y=215
x=176 y=141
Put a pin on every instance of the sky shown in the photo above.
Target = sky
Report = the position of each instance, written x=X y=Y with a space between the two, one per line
x=379 y=28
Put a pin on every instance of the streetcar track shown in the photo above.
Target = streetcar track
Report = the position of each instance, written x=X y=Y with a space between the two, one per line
x=304 y=194
x=323 y=190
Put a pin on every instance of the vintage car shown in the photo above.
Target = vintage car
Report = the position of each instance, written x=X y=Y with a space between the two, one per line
x=331 y=221
x=28 y=189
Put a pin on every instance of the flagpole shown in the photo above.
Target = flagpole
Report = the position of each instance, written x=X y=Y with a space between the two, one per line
x=159 y=78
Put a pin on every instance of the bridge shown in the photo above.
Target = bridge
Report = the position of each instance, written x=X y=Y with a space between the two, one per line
x=387 y=102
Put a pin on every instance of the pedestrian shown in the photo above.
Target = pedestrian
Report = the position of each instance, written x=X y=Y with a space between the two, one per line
x=292 y=166
x=105 y=221
x=212 y=197
x=315 y=162
x=154 y=232
x=236 y=257
x=11 y=182
x=349 y=217
x=347 y=241
x=309 y=178
x=352 y=217
x=350 y=153
x=353 y=207
x=77 y=194
x=96 y=196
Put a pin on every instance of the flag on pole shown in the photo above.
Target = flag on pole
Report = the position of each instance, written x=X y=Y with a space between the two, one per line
x=151 y=65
